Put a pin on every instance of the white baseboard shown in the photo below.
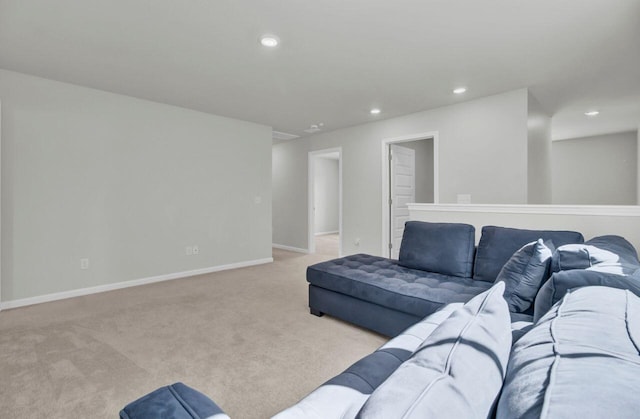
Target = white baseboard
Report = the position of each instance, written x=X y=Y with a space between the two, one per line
x=324 y=233
x=126 y=284
x=289 y=248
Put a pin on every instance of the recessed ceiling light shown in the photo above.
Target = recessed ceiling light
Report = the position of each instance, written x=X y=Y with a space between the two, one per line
x=592 y=113
x=375 y=111
x=459 y=90
x=269 y=41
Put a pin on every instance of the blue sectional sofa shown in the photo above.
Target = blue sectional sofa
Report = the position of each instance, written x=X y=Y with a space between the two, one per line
x=438 y=265
x=579 y=359
x=550 y=330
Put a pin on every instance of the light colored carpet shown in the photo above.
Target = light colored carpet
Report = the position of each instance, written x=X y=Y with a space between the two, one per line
x=244 y=337
x=327 y=245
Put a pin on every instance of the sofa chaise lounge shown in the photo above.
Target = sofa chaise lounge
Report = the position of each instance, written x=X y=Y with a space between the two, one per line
x=438 y=265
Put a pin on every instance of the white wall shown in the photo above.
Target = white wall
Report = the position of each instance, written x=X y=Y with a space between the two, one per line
x=538 y=154
x=596 y=170
x=126 y=183
x=482 y=151
x=424 y=168
x=326 y=195
x=289 y=184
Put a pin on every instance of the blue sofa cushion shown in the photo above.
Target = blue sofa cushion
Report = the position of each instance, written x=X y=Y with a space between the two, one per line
x=524 y=273
x=579 y=361
x=458 y=370
x=612 y=254
x=385 y=282
x=176 y=401
x=498 y=244
x=444 y=248
x=561 y=282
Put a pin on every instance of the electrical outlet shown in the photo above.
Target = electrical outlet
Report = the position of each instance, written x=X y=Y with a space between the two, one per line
x=464 y=198
x=196 y=250
x=257 y=199
x=84 y=263
x=357 y=242
x=188 y=250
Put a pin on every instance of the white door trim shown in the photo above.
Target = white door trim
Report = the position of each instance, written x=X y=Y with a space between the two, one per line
x=385 y=178
x=0 y=207
x=311 y=196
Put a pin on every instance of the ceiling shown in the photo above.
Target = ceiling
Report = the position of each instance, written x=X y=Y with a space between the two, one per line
x=337 y=59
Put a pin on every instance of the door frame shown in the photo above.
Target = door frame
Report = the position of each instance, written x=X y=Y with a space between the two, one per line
x=1 y=304
x=386 y=192
x=311 y=198
x=1 y=206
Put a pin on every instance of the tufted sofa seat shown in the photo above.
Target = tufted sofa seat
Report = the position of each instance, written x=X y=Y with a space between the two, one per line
x=386 y=283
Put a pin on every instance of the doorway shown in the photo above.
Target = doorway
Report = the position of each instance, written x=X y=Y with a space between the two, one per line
x=325 y=202
x=409 y=174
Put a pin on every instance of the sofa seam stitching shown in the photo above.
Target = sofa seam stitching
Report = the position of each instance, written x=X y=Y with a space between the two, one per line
x=183 y=403
x=627 y=322
x=544 y=411
x=360 y=377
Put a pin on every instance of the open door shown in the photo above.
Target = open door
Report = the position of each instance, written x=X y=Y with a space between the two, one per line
x=402 y=185
x=325 y=201
x=409 y=174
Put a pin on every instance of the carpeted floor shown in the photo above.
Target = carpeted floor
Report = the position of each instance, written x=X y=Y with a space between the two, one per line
x=327 y=245
x=243 y=337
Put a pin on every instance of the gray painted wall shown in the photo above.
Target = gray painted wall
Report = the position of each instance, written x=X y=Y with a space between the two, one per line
x=326 y=195
x=538 y=154
x=424 y=168
x=126 y=183
x=479 y=142
x=596 y=170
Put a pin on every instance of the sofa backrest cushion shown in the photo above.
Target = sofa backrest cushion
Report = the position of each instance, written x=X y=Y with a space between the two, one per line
x=613 y=254
x=444 y=248
x=497 y=244
x=524 y=273
x=458 y=370
x=579 y=361
x=561 y=282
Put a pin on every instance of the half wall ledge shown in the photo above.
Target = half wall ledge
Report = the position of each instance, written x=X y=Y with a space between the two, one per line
x=590 y=220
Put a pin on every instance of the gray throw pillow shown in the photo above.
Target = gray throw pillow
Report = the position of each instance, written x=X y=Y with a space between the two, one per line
x=561 y=282
x=611 y=254
x=458 y=370
x=524 y=273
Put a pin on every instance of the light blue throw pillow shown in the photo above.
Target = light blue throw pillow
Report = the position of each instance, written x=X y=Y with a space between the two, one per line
x=611 y=254
x=458 y=370
x=560 y=282
x=524 y=273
